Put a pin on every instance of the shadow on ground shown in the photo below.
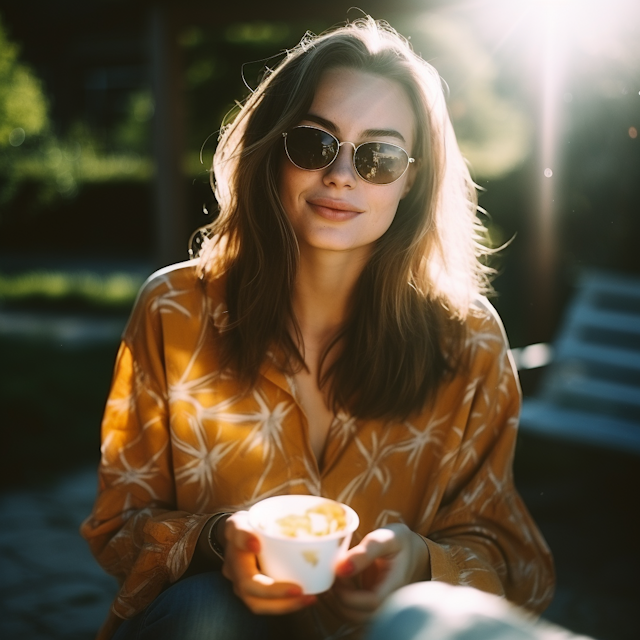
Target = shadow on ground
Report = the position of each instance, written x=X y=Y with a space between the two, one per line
x=585 y=502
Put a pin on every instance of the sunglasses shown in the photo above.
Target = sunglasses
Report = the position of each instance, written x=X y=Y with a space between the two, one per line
x=313 y=149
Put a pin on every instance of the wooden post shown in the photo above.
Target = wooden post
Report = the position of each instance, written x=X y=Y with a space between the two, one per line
x=171 y=228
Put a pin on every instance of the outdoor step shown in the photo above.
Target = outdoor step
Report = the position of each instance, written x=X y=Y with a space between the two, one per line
x=607 y=320
x=570 y=348
x=557 y=422
x=591 y=388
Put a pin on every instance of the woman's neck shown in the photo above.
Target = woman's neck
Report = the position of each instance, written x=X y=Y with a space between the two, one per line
x=324 y=286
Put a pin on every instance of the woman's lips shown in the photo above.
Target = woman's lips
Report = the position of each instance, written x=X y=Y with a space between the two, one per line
x=334 y=209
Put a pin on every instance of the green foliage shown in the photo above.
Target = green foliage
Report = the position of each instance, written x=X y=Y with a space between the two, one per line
x=111 y=290
x=220 y=65
x=133 y=133
x=30 y=153
x=60 y=166
x=493 y=129
x=23 y=107
x=258 y=33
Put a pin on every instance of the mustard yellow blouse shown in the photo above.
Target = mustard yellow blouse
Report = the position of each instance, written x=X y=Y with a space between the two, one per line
x=180 y=441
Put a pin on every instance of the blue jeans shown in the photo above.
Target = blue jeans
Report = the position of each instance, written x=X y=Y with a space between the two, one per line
x=202 y=607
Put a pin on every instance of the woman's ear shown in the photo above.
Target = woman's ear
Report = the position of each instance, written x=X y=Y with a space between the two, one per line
x=411 y=174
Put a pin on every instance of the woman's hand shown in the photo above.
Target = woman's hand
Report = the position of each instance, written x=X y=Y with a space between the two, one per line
x=385 y=560
x=260 y=593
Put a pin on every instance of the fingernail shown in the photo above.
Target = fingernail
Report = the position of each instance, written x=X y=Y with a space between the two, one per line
x=294 y=591
x=346 y=568
x=254 y=545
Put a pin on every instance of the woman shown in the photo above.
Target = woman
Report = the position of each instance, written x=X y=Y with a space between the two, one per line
x=330 y=340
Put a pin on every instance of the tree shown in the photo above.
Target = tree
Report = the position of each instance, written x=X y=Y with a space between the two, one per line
x=23 y=106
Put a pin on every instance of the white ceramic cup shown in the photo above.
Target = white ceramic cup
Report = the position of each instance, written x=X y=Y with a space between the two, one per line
x=307 y=560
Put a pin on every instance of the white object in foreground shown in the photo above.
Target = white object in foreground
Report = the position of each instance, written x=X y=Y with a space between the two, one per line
x=307 y=559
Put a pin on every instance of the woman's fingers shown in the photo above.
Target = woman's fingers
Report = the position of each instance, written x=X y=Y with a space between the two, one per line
x=238 y=532
x=259 y=592
x=381 y=543
x=274 y=605
x=382 y=562
x=362 y=570
x=252 y=584
x=265 y=596
x=241 y=547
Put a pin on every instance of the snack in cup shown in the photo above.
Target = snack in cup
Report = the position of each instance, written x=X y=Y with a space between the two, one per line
x=301 y=538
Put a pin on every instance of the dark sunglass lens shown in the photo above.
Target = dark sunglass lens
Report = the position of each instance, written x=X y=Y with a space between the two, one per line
x=380 y=163
x=311 y=148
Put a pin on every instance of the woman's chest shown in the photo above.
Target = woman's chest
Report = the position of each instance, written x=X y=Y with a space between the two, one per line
x=231 y=448
x=314 y=406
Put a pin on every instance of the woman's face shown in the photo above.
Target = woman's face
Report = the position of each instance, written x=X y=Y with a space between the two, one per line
x=333 y=209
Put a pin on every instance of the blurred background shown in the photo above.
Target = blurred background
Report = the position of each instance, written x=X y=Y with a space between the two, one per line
x=109 y=117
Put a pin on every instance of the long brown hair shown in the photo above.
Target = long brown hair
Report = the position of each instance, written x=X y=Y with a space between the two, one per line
x=404 y=333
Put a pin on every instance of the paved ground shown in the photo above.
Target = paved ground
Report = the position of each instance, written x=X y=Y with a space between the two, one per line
x=50 y=586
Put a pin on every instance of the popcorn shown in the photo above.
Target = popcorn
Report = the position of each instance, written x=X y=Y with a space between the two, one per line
x=322 y=520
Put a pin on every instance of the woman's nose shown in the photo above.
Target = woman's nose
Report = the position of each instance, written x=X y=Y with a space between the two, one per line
x=341 y=171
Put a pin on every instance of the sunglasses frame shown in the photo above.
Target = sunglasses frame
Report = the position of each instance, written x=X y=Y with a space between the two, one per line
x=410 y=160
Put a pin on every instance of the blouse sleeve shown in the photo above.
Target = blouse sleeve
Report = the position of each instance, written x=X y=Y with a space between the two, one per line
x=483 y=535
x=135 y=531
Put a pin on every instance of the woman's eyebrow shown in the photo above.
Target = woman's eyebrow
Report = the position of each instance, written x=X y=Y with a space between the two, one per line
x=383 y=133
x=368 y=133
x=323 y=122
